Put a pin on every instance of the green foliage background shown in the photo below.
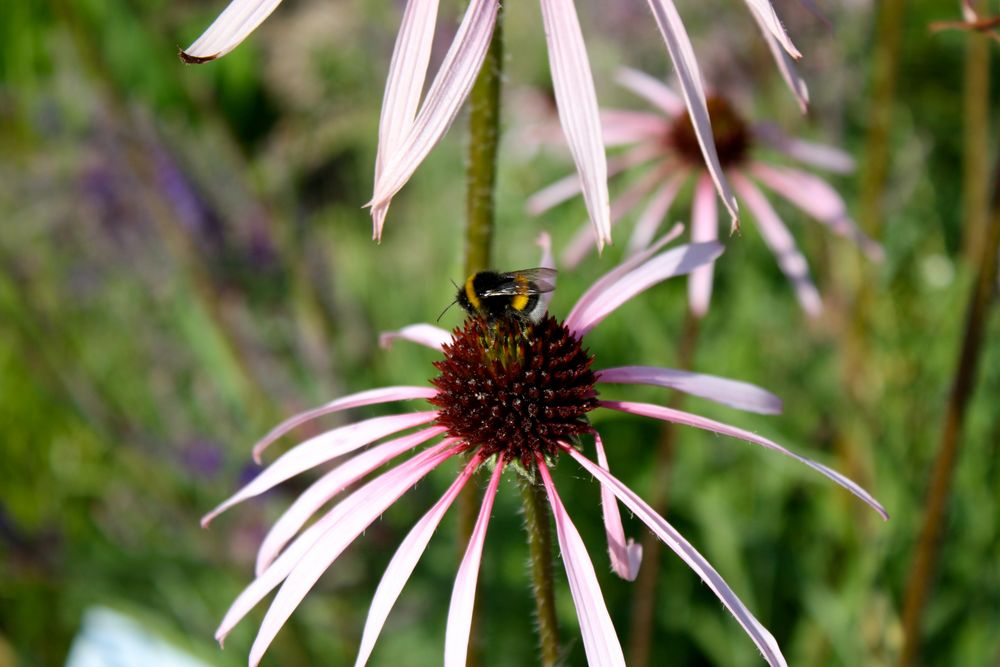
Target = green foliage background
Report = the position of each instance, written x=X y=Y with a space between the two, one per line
x=184 y=261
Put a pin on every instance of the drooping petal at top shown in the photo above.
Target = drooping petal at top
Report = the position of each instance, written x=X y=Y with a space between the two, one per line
x=428 y=335
x=232 y=26
x=403 y=86
x=324 y=447
x=369 y=397
x=600 y=640
x=770 y=24
x=626 y=555
x=757 y=632
x=595 y=305
x=463 y=595
x=682 y=54
x=785 y=65
x=681 y=417
x=578 y=113
x=405 y=559
x=791 y=261
x=823 y=156
x=447 y=92
x=650 y=89
x=736 y=394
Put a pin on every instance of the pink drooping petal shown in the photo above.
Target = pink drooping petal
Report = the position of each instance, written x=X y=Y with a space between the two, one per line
x=547 y=261
x=770 y=24
x=757 y=632
x=364 y=499
x=704 y=228
x=739 y=395
x=594 y=306
x=328 y=548
x=818 y=155
x=781 y=242
x=328 y=486
x=576 y=100
x=682 y=54
x=681 y=417
x=817 y=198
x=403 y=86
x=463 y=595
x=621 y=128
x=568 y=187
x=580 y=245
x=650 y=89
x=656 y=210
x=370 y=397
x=398 y=572
x=626 y=555
x=323 y=448
x=423 y=334
x=600 y=640
x=232 y=26
x=447 y=92
x=785 y=65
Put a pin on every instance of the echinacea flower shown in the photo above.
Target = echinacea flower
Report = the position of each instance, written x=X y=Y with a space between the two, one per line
x=509 y=394
x=409 y=128
x=665 y=146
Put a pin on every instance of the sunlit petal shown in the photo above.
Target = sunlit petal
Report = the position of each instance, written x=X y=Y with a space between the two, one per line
x=233 y=25
x=428 y=335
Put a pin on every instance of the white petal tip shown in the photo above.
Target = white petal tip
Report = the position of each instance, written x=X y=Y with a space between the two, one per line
x=191 y=59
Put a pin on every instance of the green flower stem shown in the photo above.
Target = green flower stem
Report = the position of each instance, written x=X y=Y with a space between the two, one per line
x=536 y=524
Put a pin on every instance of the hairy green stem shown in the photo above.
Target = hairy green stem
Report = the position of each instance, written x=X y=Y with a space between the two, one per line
x=536 y=524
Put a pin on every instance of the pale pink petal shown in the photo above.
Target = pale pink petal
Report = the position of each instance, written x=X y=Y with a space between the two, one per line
x=579 y=246
x=651 y=89
x=357 y=512
x=817 y=198
x=232 y=26
x=785 y=65
x=682 y=54
x=447 y=92
x=423 y=334
x=771 y=25
x=594 y=306
x=463 y=595
x=398 y=572
x=757 y=632
x=680 y=417
x=626 y=555
x=568 y=187
x=548 y=262
x=400 y=477
x=577 y=103
x=323 y=448
x=704 y=228
x=818 y=155
x=328 y=486
x=656 y=210
x=369 y=397
x=781 y=242
x=600 y=640
x=739 y=395
x=621 y=127
x=407 y=70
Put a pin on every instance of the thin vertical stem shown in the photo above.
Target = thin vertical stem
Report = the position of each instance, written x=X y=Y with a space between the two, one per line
x=644 y=602
x=536 y=524
x=975 y=153
x=923 y=569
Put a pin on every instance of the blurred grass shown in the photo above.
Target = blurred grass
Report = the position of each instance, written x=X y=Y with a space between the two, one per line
x=184 y=261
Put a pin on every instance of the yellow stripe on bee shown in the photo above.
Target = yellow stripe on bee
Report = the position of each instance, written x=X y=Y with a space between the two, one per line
x=470 y=293
x=520 y=301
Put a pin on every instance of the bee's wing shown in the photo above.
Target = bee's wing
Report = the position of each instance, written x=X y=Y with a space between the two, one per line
x=524 y=281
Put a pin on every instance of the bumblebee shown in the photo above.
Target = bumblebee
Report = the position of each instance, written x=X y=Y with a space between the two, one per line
x=495 y=296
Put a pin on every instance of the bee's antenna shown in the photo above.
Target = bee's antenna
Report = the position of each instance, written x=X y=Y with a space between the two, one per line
x=446 y=310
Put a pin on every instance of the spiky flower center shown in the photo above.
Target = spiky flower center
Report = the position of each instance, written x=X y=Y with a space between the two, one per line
x=515 y=388
x=732 y=138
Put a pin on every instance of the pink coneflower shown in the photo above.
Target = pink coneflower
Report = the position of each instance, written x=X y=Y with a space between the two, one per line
x=665 y=146
x=410 y=128
x=508 y=394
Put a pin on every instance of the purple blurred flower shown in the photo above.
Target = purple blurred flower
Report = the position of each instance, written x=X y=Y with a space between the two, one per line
x=665 y=145
x=409 y=128
x=506 y=396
